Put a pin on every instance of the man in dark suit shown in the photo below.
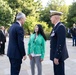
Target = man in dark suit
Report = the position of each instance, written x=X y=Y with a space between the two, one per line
x=16 y=50
x=73 y=32
x=58 y=50
x=2 y=40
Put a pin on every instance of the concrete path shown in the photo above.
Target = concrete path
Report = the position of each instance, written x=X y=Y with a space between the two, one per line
x=70 y=64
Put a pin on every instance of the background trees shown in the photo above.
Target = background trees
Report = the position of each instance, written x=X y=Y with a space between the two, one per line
x=36 y=13
x=58 y=5
x=71 y=15
x=6 y=14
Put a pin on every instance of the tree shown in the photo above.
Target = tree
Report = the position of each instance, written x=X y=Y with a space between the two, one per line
x=6 y=14
x=29 y=7
x=45 y=16
x=31 y=22
x=32 y=10
x=58 y=5
x=71 y=15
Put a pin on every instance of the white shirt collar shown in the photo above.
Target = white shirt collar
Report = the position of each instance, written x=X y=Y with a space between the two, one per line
x=19 y=23
x=56 y=23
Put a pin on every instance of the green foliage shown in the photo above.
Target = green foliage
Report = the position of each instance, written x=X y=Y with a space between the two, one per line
x=58 y=5
x=14 y=4
x=31 y=22
x=45 y=16
x=6 y=14
x=29 y=7
x=55 y=4
x=34 y=11
x=71 y=15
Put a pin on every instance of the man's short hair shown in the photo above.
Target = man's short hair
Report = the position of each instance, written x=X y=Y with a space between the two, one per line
x=20 y=15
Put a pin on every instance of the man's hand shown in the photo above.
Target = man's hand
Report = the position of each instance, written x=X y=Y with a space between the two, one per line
x=24 y=57
x=56 y=61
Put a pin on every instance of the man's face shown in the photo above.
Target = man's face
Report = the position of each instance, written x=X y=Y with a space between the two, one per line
x=23 y=20
x=52 y=18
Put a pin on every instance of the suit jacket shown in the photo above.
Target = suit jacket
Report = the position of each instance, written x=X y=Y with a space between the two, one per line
x=16 y=44
x=2 y=37
x=58 y=43
x=73 y=32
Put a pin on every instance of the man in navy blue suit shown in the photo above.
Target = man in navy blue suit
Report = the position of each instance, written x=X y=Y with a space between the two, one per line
x=16 y=51
x=58 y=50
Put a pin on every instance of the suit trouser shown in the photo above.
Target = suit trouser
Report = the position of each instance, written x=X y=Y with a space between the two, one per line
x=74 y=41
x=59 y=69
x=15 y=66
x=38 y=63
x=2 y=48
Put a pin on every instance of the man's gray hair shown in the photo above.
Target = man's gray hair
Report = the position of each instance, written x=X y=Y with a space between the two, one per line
x=20 y=15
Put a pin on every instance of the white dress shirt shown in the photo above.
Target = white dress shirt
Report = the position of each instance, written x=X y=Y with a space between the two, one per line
x=56 y=23
x=19 y=23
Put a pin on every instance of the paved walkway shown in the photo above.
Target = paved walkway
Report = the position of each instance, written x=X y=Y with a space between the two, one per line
x=70 y=64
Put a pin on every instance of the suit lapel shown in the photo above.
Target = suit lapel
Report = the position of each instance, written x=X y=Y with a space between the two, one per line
x=56 y=26
x=54 y=29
